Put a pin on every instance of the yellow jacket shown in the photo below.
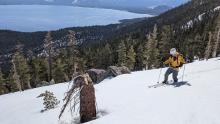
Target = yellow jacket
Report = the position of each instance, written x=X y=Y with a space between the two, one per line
x=175 y=61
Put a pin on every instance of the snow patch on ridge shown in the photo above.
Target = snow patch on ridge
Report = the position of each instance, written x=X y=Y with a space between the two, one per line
x=217 y=8
x=75 y=1
x=49 y=0
x=200 y=16
x=190 y=23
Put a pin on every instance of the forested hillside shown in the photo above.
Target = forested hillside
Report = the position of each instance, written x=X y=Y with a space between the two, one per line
x=192 y=28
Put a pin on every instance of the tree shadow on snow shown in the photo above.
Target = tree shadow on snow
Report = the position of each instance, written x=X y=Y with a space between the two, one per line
x=179 y=84
x=76 y=120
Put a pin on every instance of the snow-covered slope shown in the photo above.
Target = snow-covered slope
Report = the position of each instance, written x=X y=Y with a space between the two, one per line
x=127 y=99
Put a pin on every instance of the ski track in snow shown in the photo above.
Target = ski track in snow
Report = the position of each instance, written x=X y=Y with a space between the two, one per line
x=126 y=99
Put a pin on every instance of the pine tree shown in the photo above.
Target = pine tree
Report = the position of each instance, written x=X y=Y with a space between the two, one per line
x=130 y=58
x=144 y=52
x=152 y=50
x=50 y=101
x=15 y=77
x=1 y=77
x=216 y=46
x=90 y=58
x=59 y=71
x=121 y=51
x=105 y=57
x=2 y=81
x=43 y=64
x=198 y=46
x=109 y=55
x=36 y=71
x=195 y=47
x=73 y=52
x=165 y=43
x=139 y=64
x=190 y=52
x=217 y=36
x=208 y=47
x=21 y=70
x=48 y=47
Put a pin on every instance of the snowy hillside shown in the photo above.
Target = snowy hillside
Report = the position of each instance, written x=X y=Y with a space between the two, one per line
x=42 y=17
x=127 y=99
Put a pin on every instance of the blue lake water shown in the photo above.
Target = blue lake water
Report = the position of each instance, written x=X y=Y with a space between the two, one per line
x=29 y=18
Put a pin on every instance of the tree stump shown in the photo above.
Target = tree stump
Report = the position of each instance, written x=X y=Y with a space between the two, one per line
x=83 y=85
x=87 y=98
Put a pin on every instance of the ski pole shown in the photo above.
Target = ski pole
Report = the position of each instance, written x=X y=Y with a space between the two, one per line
x=159 y=75
x=183 y=72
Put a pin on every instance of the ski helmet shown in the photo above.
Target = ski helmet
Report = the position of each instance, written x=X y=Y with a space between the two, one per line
x=173 y=51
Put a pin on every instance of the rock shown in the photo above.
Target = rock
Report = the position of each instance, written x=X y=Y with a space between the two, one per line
x=125 y=70
x=45 y=83
x=115 y=71
x=97 y=75
x=52 y=82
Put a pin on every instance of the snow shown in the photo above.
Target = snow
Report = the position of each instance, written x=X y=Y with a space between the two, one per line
x=127 y=99
x=44 y=17
x=188 y=25
x=217 y=8
x=49 y=0
x=75 y=1
x=200 y=17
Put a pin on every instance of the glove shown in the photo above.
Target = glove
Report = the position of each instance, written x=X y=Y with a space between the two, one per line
x=181 y=65
x=163 y=65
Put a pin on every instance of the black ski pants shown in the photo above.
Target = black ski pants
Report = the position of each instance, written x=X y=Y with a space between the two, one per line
x=171 y=71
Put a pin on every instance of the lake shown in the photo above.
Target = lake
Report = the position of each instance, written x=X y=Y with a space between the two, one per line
x=30 y=18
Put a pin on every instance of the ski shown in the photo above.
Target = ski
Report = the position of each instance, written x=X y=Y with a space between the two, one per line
x=160 y=84
x=156 y=85
x=170 y=83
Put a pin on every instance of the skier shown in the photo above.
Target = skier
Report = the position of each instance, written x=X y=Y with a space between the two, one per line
x=175 y=61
